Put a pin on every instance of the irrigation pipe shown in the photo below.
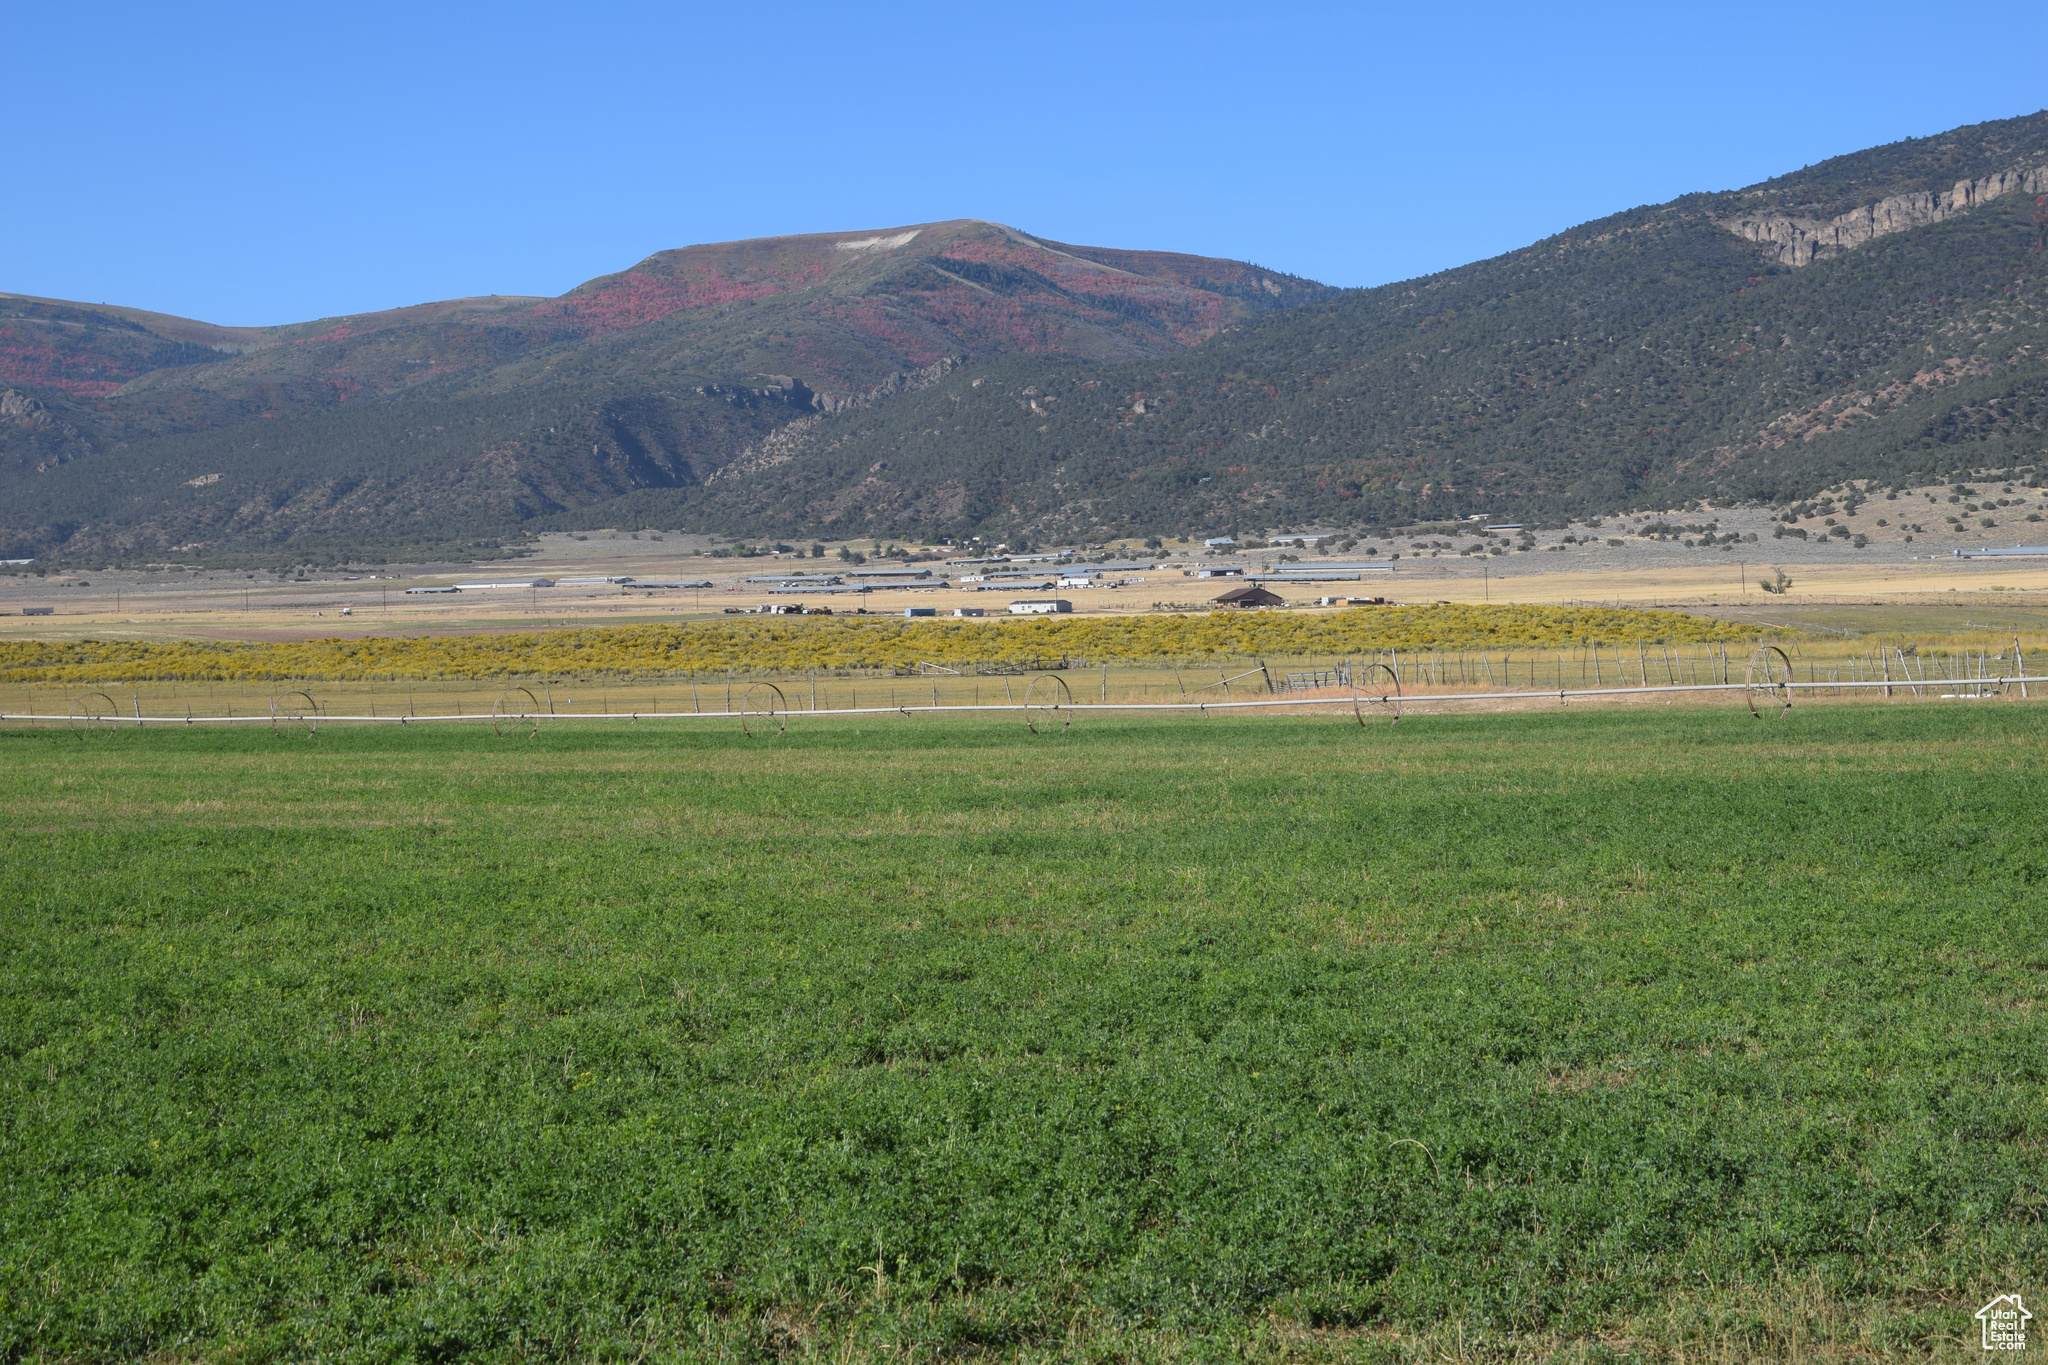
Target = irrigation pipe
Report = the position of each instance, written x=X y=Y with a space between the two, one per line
x=1961 y=687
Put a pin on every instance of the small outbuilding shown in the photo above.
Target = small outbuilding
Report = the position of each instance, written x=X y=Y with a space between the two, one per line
x=1251 y=597
x=1040 y=606
x=967 y=611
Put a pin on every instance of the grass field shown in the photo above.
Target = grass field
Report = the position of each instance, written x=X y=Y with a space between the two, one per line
x=1674 y=1036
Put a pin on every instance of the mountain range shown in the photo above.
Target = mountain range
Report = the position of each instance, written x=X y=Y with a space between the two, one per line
x=1879 y=316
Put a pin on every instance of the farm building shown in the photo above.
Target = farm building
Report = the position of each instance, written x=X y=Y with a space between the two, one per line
x=1251 y=597
x=967 y=611
x=1040 y=606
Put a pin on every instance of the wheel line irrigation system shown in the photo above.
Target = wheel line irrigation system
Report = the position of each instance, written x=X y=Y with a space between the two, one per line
x=1048 y=705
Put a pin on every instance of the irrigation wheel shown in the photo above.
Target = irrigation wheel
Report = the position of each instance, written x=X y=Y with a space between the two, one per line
x=1386 y=693
x=1770 y=681
x=295 y=708
x=773 y=707
x=1058 y=707
x=94 y=708
x=507 y=710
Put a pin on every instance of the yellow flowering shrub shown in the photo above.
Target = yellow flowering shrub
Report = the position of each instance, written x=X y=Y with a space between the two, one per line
x=802 y=644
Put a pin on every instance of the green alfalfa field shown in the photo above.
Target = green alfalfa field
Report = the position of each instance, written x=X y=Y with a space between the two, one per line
x=1585 y=1035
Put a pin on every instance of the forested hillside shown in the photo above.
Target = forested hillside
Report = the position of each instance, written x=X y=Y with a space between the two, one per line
x=1878 y=316
x=1643 y=361
x=131 y=433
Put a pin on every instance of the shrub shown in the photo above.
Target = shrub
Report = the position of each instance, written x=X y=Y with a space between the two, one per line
x=797 y=645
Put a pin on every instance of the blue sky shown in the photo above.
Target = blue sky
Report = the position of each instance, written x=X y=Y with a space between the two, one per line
x=255 y=164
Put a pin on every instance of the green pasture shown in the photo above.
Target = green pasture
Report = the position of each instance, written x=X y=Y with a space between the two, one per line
x=1594 y=1034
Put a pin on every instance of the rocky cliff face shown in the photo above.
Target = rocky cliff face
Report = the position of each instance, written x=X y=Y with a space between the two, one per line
x=1797 y=241
x=33 y=438
x=22 y=410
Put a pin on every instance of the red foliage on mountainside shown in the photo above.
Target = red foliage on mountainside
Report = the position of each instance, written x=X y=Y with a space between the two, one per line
x=1189 y=314
x=872 y=318
x=25 y=362
x=635 y=298
x=843 y=311
x=985 y=323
